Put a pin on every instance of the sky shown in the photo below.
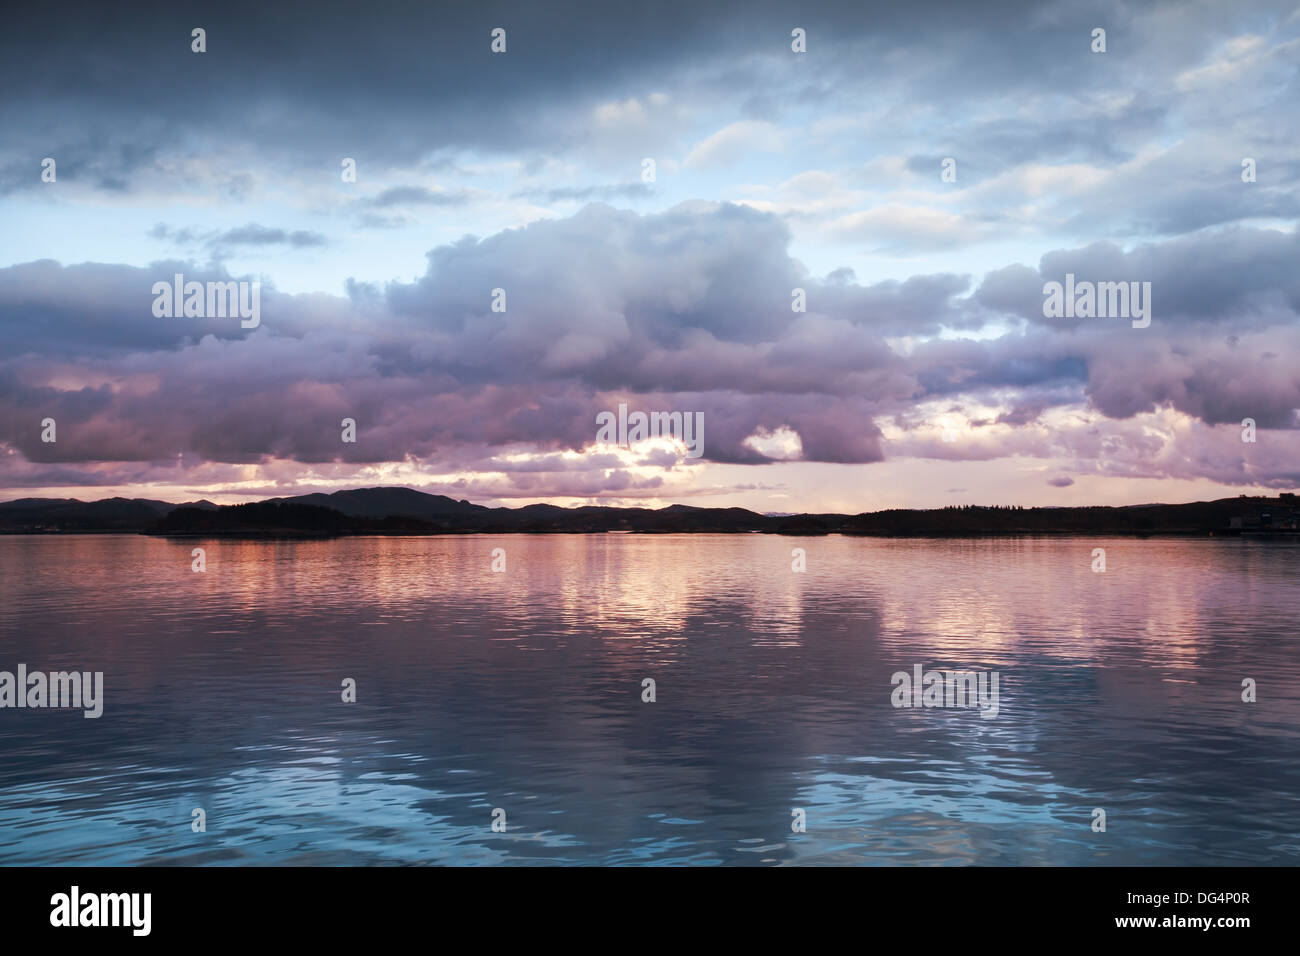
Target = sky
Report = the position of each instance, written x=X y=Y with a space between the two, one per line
x=920 y=171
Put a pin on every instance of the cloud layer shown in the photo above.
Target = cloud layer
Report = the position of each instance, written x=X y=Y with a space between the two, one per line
x=781 y=178
x=687 y=310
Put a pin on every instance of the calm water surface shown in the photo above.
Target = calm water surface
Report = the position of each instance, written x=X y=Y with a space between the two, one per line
x=522 y=691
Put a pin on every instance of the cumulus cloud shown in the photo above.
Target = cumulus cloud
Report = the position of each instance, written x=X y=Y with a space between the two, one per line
x=686 y=310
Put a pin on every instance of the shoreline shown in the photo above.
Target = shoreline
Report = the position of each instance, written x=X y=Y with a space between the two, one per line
x=289 y=535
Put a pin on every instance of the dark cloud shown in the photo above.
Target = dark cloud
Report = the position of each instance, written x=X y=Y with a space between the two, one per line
x=606 y=193
x=220 y=242
x=416 y=196
x=392 y=86
x=93 y=310
x=255 y=235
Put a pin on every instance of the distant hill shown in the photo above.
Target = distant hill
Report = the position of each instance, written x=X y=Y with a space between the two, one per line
x=257 y=519
x=406 y=511
x=69 y=514
x=382 y=502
